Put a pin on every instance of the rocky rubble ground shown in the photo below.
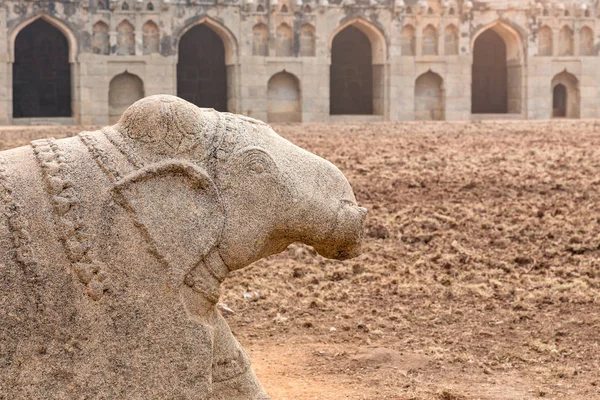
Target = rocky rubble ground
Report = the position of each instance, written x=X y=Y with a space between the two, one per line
x=480 y=276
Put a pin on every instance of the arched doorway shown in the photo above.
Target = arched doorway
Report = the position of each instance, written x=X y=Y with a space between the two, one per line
x=284 y=101
x=559 y=101
x=565 y=96
x=201 y=69
x=351 y=73
x=41 y=72
x=429 y=97
x=496 y=71
x=489 y=90
x=124 y=90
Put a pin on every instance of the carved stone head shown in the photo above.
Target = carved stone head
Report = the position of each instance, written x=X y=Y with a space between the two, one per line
x=239 y=187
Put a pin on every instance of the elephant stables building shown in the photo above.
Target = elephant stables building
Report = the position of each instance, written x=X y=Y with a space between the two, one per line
x=84 y=62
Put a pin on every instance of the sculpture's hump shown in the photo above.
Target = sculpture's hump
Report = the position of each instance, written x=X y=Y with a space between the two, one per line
x=176 y=125
x=155 y=117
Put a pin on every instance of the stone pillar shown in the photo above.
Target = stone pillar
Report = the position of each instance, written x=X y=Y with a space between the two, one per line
x=418 y=38
x=576 y=38
x=441 y=39
x=5 y=72
x=555 y=41
x=138 y=34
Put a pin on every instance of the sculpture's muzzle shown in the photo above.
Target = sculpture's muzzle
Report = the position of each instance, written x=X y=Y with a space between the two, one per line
x=344 y=240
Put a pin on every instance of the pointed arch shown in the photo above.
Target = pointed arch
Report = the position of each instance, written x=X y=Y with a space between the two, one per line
x=586 y=41
x=451 y=40
x=150 y=38
x=41 y=73
x=203 y=76
x=58 y=24
x=497 y=69
x=408 y=40
x=545 y=41
x=565 y=41
x=284 y=102
x=511 y=35
x=285 y=41
x=125 y=38
x=351 y=74
x=260 y=40
x=430 y=41
x=565 y=95
x=358 y=51
x=307 y=40
x=100 y=41
x=429 y=97
x=375 y=35
x=228 y=38
x=123 y=90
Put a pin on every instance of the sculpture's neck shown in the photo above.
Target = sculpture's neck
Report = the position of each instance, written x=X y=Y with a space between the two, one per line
x=207 y=276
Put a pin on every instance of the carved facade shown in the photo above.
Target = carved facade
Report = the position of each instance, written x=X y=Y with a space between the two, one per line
x=304 y=60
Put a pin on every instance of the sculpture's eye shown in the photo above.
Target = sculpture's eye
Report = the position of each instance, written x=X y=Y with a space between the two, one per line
x=258 y=161
x=257 y=167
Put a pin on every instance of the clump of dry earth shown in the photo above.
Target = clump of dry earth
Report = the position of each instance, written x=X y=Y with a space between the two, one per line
x=480 y=277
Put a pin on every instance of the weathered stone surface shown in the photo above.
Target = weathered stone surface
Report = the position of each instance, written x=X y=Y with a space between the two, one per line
x=113 y=245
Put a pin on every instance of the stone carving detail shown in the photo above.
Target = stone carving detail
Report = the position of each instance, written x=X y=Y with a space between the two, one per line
x=16 y=223
x=147 y=218
x=64 y=198
x=102 y=158
x=66 y=205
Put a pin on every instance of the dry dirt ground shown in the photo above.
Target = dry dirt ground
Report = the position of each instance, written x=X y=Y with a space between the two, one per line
x=480 y=277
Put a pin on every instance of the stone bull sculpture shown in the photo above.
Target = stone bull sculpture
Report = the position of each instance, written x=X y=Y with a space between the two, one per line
x=113 y=245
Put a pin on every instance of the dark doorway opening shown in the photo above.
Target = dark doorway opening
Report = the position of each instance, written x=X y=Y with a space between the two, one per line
x=41 y=72
x=351 y=73
x=559 y=101
x=489 y=89
x=201 y=70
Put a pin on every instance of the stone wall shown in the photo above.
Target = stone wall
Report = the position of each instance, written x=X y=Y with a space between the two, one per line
x=243 y=44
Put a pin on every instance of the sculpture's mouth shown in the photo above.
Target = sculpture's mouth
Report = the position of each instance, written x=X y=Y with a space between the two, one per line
x=349 y=252
x=345 y=240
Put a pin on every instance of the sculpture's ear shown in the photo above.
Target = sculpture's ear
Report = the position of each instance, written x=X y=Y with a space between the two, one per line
x=178 y=207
